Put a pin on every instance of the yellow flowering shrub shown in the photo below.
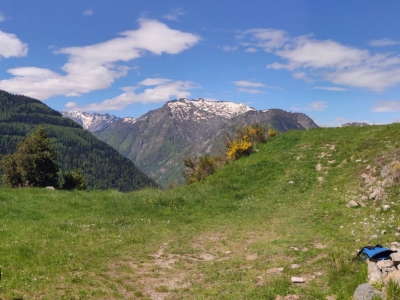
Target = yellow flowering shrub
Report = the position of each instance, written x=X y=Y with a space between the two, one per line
x=272 y=132
x=240 y=148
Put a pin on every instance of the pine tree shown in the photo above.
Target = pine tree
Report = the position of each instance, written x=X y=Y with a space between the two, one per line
x=33 y=163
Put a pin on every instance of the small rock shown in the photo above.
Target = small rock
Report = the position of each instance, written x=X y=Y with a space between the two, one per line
x=374 y=236
x=358 y=160
x=294 y=266
x=297 y=280
x=385 y=207
x=275 y=271
x=368 y=167
x=383 y=232
x=395 y=276
x=51 y=188
x=395 y=257
x=387 y=263
x=352 y=203
x=366 y=292
x=290 y=182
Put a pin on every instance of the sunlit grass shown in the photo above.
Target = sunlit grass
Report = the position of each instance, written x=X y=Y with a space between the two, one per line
x=216 y=239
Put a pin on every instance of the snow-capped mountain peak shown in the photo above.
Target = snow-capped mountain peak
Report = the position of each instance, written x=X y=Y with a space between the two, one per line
x=90 y=121
x=201 y=109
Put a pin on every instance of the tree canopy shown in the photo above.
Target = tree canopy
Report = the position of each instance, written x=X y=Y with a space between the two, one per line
x=33 y=164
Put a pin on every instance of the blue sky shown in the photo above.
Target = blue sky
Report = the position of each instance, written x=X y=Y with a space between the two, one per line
x=336 y=61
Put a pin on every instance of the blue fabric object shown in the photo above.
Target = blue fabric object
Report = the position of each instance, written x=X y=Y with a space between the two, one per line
x=378 y=252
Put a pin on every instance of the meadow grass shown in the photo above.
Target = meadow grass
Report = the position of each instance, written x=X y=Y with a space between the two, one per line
x=215 y=239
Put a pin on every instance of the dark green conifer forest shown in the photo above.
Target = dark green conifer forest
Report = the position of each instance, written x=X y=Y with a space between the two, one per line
x=103 y=167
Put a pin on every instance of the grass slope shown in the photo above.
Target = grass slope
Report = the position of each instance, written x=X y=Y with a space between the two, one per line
x=212 y=240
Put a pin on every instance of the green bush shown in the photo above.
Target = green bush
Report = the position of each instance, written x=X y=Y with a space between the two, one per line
x=199 y=169
x=33 y=164
x=73 y=180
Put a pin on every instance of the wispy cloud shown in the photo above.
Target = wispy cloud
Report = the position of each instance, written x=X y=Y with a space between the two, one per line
x=229 y=48
x=311 y=59
x=386 y=106
x=251 y=50
x=330 y=88
x=245 y=83
x=251 y=87
x=93 y=67
x=313 y=106
x=150 y=90
x=11 y=46
x=383 y=43
x=174 y=14
x=88 y=12
x=2 y=17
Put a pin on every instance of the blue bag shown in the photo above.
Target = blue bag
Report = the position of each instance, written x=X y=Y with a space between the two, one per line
x=377 y=252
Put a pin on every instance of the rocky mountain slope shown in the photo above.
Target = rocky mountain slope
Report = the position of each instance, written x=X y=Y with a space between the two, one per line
x=159 y=140
x=102 y=166
x=91 y=121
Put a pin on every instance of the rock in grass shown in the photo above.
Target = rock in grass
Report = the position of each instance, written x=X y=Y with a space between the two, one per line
x=395 y=276
x=395 y=256
x=297 y=280
x=387 y=263
x=352 y=203
x=366 y=292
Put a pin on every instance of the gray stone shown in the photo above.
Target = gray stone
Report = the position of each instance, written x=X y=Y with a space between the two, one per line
x=395 y=257
x=386 y=271
x=366 y=292
x=385 y=207
x=371 y=266
x=297 y=280
x=50 y=188
x=352 y=203
x=374 y=236
x=387 y=263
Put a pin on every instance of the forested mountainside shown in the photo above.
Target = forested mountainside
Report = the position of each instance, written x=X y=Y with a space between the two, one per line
x=103 y=166
x=159 y=140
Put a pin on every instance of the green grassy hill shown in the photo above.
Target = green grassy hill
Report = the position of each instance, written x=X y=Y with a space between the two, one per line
x=223 y=238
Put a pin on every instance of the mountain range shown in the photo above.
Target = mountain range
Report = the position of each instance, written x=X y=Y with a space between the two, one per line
x=158 y=141
x=103 y=167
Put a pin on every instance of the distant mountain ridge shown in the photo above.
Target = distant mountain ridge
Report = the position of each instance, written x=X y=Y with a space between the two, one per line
x=93 y=121
x=103 y=167
x=158 y=141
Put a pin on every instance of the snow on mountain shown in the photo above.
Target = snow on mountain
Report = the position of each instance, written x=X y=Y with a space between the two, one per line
x=182 y=109
x=91 y=121
x=201 y=109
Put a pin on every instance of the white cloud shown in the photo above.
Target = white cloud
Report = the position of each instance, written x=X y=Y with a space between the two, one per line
x=269 y=39
x=174 y=14
x=311 y=59
x=250 y=91
x=88 y=12
x=245 y=83
x=251 y=50
x=313 y=106
x=383 y=43
x=245 y=86
x=11 y=46
x=386 y=106
x=96 y=66
x=2 y=17
x=161 y=90
x=330 y=88
x=229 y=48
